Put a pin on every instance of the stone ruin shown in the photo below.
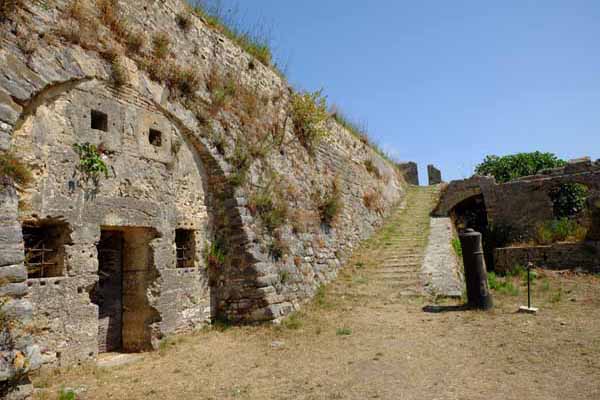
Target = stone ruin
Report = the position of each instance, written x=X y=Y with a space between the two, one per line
x=167 y=242
x=434 y=175
x=512 y=213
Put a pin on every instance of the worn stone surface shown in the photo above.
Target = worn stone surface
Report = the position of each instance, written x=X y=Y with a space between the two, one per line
x=434 y=175
x=18 y=353
x=441 y=271
x=183 y=181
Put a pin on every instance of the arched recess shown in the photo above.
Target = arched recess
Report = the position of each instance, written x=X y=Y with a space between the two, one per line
x=232 y=282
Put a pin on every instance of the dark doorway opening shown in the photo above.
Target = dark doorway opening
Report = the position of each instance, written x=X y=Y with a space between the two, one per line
x=108 y=293
x=471 y=213
x=126 y=271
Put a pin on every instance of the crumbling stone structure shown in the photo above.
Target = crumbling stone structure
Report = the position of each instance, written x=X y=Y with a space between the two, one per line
x=411 y=172
x=171 y=238
x=515 y=209
x=434 y=175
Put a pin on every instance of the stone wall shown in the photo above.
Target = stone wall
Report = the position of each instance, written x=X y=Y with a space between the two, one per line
x=411 y=172
x=434 y=175
x=49 y=97
x=522 y=204
x=18 y=354
x=575 y=256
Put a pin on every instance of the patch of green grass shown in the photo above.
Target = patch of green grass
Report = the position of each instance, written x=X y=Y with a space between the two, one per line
x=292 y=322
x=343 y=331
x=457 y=247
x=66 y=395
x=502 y=285
x=545 y=285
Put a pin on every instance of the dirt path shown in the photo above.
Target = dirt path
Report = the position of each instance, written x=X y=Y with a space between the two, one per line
x=367 y=337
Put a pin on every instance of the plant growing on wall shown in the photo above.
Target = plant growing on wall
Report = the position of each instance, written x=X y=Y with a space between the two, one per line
x=15 y=169
x=329 y=203
x=569 y=199
x=91 y=165
x=309 y=113
x=511 y=167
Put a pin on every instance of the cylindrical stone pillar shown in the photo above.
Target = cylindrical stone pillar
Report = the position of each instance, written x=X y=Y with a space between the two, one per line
x=478 y=292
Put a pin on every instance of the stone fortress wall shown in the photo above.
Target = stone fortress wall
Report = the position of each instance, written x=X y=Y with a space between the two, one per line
x=168 y=198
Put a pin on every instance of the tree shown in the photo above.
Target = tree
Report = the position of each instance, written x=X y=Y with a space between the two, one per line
x=508 y=168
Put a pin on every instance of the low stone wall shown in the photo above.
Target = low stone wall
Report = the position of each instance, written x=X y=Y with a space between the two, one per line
x=577 y=256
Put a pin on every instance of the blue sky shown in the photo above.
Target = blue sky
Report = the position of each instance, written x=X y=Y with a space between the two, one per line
x=448 y=82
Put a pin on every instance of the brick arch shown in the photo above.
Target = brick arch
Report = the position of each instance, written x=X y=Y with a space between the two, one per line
x=241 y=277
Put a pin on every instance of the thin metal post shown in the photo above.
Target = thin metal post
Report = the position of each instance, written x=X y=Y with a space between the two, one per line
x=529 y=285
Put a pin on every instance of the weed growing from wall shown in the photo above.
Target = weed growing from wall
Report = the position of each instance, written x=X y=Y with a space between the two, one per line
x=9 y=8
x=91 y=165
x=329 y=203
x=569 y=199
x=309 y=113
x=15 y=169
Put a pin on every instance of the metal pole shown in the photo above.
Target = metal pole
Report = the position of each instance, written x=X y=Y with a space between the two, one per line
x=529 y=285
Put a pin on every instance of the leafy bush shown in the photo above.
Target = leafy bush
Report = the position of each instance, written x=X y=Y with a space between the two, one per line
x=91 y=165
x=15 y=169
x=511 y=167
x=309 y=113
x=135 y=41
x=560 y=230
x=569 y=199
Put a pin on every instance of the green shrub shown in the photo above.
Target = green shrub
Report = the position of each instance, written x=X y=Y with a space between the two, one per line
x=185 y=81
x=510 y=167
x=569 y=199
x=309 y=113
x=560 y=230
x=91 y=165
x=15 y=169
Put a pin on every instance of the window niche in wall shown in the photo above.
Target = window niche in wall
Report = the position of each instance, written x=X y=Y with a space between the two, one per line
x=155 y=137
x=99 y=120
x=45 y=248
x=185 y=245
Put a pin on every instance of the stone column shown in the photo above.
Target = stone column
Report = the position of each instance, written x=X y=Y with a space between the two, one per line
x=18 y=355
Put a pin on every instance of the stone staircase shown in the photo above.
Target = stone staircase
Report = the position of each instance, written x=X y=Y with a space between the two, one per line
x=395 y=254
x=401 y=243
